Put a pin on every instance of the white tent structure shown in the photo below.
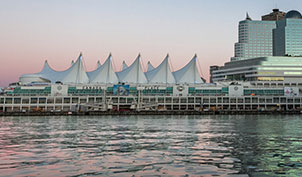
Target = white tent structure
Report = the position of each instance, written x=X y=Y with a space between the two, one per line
x=37 y=77
x=150 y=66
x=91 y=74
x=161 y=74
x=124 y=65
x=189 y=73
x=98 y=64
x=133 y=74
x=46 y=75
x=76 y=74
x=105 y=73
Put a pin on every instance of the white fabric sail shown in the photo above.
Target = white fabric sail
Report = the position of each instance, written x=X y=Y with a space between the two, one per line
x=124 y=65
x=189 y=73
x=105 y=73
x=98 y=64
x=47 y=74
x=76 y=74
x=92 y=74
x=161 y=74
x=133 y=74
x=150 y=66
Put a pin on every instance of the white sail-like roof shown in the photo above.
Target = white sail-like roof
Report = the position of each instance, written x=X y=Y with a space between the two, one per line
x=150 y=67
x=98 y=64
x=47 y=74
x=161 y=74
x=133 y=74
x=189 y=73
x=76 y=74
x=92 y=74
x=124 y=65
x=105 y=73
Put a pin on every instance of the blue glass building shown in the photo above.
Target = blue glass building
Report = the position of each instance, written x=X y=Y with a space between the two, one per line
x=287 y=37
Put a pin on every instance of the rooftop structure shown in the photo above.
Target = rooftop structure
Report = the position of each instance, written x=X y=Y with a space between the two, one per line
x=150 y=66
x=105 y=74
x=274 y=16
x=124 y=65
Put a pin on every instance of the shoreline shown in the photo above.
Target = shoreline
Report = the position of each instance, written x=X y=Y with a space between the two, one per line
x=103 y=113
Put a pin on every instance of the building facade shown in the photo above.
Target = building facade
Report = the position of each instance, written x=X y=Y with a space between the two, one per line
x=270 y=60
x=287 y=36
x=255 y=37
x=266 y=70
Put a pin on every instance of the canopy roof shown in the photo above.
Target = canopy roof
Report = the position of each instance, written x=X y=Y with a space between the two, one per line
x=76 y=74
x=189 y=73
x=149 y=65
x=161 y=74
x=91 y=74
x=124 y=65
x=105 y=73
x=133 y=74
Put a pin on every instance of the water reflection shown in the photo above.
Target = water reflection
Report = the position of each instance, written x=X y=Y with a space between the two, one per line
x=151 y=145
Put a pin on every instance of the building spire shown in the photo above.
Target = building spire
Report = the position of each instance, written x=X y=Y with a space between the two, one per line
x=248 y=17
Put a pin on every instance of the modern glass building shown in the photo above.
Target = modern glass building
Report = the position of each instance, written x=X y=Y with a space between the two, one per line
x=287 y=37
x=273 y=69
x=267 y=52
x=255 y=37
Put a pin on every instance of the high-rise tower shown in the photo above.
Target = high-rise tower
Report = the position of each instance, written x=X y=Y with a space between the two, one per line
x=287 y=37
x=255 y=38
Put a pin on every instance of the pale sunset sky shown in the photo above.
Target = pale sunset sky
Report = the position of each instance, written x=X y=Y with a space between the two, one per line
x=33 y=31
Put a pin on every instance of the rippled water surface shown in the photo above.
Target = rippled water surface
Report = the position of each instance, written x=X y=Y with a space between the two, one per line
x=151 y=145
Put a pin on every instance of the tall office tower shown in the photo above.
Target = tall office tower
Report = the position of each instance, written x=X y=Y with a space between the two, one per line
x=288 y=35
x=255 y=37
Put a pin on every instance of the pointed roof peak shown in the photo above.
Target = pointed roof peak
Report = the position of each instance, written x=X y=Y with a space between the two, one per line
x=46 y=61
x=248 y=17
x=98 y=64
x=109 y=56
x=167 y=55
x=161 y=74
x=124 y=65
x=80 y=57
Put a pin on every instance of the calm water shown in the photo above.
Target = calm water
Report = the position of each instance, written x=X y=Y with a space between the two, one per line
x=151 y=145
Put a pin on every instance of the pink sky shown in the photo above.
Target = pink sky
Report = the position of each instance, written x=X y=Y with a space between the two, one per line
x=32 y=31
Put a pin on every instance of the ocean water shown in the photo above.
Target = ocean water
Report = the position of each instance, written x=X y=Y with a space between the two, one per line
x=206 y=145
